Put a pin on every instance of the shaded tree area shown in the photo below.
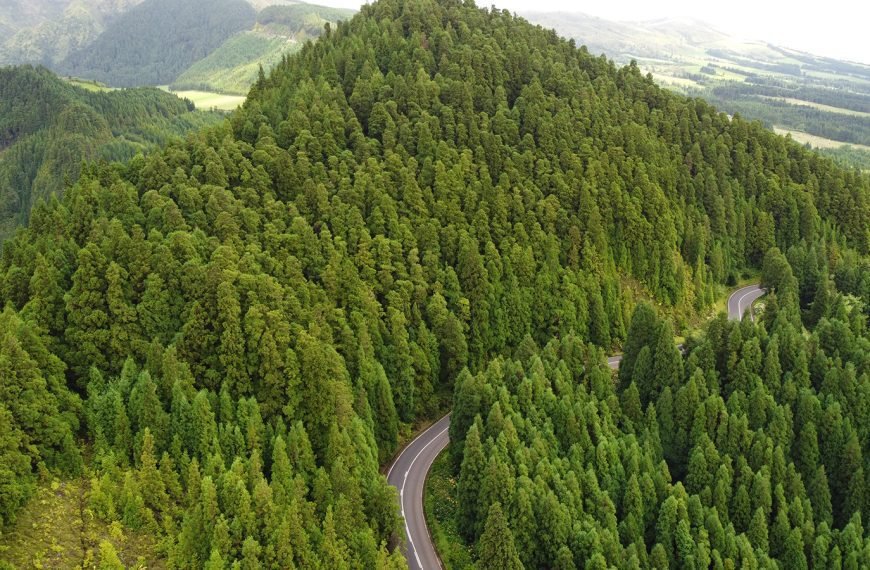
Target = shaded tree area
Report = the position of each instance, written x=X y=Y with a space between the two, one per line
x=251 y=315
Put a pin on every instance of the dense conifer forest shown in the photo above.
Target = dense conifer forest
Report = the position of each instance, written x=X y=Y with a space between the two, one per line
x=226 y=337
x=48 y=128
x=748 y=451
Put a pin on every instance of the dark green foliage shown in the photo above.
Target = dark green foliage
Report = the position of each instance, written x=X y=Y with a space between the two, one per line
x=48 y=128
x=399 y=209
x=152 y=43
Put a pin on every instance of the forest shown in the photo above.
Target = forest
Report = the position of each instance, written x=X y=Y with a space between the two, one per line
x=228 y=337
x=154 y=42
x=749 y=450
x=49 y=127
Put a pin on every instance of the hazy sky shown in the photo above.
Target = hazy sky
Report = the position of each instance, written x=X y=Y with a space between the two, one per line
x=836 y=28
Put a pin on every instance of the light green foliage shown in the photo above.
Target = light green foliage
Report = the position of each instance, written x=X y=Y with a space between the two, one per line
x=233 y=67
x=496 y=549
x=280 y=31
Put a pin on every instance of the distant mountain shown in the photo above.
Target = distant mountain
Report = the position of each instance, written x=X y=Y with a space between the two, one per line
x=49 y=127
x=46 y=31
x=152 y=43
x=279 y=30
x=819 y=100
x=211 y=45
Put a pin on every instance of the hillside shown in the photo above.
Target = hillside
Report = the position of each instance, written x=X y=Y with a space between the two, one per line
x=152 y=43
x=237 y=331
x=46 y=31
x=48 y=128
x=821 y=101
x=279 y=31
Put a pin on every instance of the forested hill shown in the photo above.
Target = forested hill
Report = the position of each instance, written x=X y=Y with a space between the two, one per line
x=241 y=325
x=48 y=128
x=46 y=31
x=152 y=43
x=279 y=31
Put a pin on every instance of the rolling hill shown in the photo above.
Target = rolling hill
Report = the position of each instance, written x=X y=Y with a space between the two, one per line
x=49 y=128
x=152 y=43
x=279 y=31
x=46 y=31
x=818 y=100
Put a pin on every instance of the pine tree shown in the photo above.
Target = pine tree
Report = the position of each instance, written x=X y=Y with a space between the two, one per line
x=232 y=344
x=641 y=333
x=468 y=488
x=496 y=548
x=151 y=484
x=109 y=557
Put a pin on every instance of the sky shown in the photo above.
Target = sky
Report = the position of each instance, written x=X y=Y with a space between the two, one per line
x=834 y=28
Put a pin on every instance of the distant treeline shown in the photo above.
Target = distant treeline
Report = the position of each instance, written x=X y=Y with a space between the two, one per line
x=824 y=96
x=830 y=125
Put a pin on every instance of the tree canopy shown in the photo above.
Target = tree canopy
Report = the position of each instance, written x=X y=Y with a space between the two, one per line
x=408 y=208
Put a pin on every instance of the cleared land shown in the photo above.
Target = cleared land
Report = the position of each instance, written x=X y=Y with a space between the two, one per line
x=205 y=100
x=819 y=106
x=59 y=530
x=815 y=141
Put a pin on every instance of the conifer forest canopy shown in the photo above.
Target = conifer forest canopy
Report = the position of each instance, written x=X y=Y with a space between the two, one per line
x=437 y=205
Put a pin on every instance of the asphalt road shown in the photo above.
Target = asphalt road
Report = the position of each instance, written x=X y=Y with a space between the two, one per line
x=741 y=300
x=408 y=472
x=408 y=475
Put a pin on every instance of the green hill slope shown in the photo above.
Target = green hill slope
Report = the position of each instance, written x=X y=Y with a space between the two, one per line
x=280 y=31
x=46 y=31
x=809 y=95
x=233 y=67
x=48 y=128
x=254 y=316
x=152 y=43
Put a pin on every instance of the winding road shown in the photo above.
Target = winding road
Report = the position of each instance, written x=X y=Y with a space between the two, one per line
x=741 y=300
x=409 y=470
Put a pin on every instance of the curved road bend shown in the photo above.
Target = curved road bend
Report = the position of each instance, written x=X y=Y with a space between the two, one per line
x=741 y=300
x=408 y=472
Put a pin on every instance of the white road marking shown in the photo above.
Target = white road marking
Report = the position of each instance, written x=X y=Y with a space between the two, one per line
x=740 y=301
x=407 y=447
x=402 y=491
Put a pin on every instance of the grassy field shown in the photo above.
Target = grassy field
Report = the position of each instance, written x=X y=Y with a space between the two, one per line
x=814 y=141
x=58 y=530
x=441 y=506
x=94 y=86
x=819 y=106
x=205 y=100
